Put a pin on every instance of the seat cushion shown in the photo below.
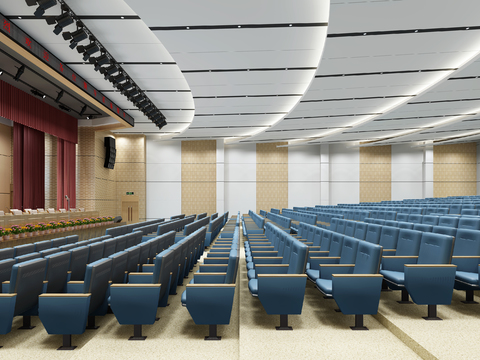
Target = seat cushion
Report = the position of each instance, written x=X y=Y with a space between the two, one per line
x=325 y=286
x=468 y=277
x=253 y=287
x=184 y=298
x=396 y=277
x=313 y=274
x=249 y=259
x=250 y=265
x=251 y=274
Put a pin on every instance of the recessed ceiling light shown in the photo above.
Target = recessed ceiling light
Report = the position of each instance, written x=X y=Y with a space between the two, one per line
x=416 y=30
x=467 y=28
x=364 y=33
x=239 y=26
x=1 y=72
x=122 y=17
x=290 y=25
x=19 y=17
x=188 y=27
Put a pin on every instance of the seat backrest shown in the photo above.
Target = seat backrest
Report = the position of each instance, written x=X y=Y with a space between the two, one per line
x=450 y=221
x=109 y=247
x=390 y=215
x=349 y=250
x=405 y=225
x=50 y=252
x=435 y=249
x=144 y=252
x=326 y=239
x=379 y=221
x=7 y=253
x=430 y=220
x=97 y=275
x=96 y=252
x=423 y=227
x=71 y=239
x=68 y=247
x=164 y=265
x=408 y=243
x=27 y=257
x=287 y=248
x=24 y=249
x=368 y=257
x=467 y=243
x=56 y=271
x=469 y=211
x=380 y=215
x=59 y=242
x=445 y=230
x=317 y=236
x=402 y=217
x=298 y=258
x=469 y=223
x=26 y=281
x=232 y=267
x=333 y=224
x=340 y=226
x=389 y=237
x=391 y=223
x=78 y=262
x=119 y=266
x=133 y=258
x=6 y=269
x=349 y=227
x=43 y=245
x=336 y=243
x=415 y=218
x=360 y=231
x=416 y=211
x=373 y=233
x=455 y=208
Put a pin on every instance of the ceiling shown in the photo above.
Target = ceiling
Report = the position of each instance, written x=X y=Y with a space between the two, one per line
x=373 y=72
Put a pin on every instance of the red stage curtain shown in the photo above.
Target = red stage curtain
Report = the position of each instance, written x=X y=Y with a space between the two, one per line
x=66 y=159
x=25 y=109
x=28 y=168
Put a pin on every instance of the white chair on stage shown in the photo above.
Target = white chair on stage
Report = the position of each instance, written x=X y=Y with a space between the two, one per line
x=62 y=210
x=51 y=210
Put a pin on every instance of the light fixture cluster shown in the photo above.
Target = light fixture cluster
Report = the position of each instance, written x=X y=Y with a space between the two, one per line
x=102 y=62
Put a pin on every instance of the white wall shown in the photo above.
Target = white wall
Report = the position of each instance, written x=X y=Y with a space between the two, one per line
x=478 y=169
x=164 y=178
x=240 y=178
x=407 y=172
x=344 y=174
x=304 y=176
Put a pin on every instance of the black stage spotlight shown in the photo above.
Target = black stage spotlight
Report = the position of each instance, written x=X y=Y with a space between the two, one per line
x=99 y=61
x=109 y=71
x=143 y=104
x=88 y=50
x=59 y=96
x=133 y=93
x=42 y=6
x=117 y=79
x=38 y=93
x=62 y=21
x=75 y=37
x=63 y=107
x=84 y=108
x=19 y=73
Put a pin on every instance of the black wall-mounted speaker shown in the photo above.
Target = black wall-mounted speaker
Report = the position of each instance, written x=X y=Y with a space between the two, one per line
x=110 y=152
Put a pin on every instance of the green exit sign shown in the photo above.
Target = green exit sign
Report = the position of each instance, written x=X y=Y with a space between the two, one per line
x=129 y=192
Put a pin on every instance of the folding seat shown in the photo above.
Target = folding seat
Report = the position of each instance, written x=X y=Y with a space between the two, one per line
x=408 y=244
x=109 y=247
x=430 y=220
x=389 y=238
x=6 y=269
x=20 y=294
x=405 y=225
x=68 y=247
x=281 y=290
x=340 y=226
x=336 y=244
x=379 y=221
x=445 y=230
x=390 y=215
x=423 y=227
x=355 y=294
x=442 y=210
x=95 y=252
x=67 y=313
x=433 y=262
x=71 y=239
x=469 y=223
x=133 y=258
x=467 y=207
x=402 y=217
x=466 y=255
x=357 y=215
x=50 y=252
x=455 y=209
x=373 y=233
x=415 y=218
x=360 y=231
x=449 y=221
x=23 y=249
x=369 y=220
x=374 y=214
x=416 y=210
x=7 y=253
x=350 y=215
x=27 y=257
x=43 y=245
x=57 y=271
x=58 y=242
x=349 y=228
x=391 y=223
x=78 y=263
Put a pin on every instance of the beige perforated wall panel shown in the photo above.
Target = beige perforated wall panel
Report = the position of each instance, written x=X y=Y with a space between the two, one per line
x=375 y=173
x=455 y=170
x=85 y=176
x=130 y=170
x=199 y=175
x=50 y=171
x=5 y=166
x=272 y=176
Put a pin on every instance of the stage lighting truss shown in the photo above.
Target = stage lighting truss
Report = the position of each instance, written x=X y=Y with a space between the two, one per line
x=38 y=93
x=19 y=73
x=105 y=63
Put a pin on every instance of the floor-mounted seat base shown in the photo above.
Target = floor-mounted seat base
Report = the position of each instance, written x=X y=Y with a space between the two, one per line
x=432 y=313
x=27 y=323
x=469 y=298
x=358 y=323
x=137 y=333
x=212 y=333
x=67 y=343
x=283 y=323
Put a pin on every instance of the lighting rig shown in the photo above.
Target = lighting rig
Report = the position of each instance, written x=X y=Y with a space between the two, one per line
x=104 y=63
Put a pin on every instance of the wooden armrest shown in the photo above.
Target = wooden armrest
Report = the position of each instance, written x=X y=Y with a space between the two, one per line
x=430 y=265
x=211 y=285
x=356 y=275
x=65 y=295
x=325 y=257
x=271 y=265
x=210 y=273
x=338 y=265
x=142 y=273
x=75 y=282
x=281 y=275
x=401 y=257
x=135 y=285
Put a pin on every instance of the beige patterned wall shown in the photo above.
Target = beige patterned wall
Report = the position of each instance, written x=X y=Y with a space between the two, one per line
x=105 y=179
x=455 y=170
x=272 y=176
x=50 y=171
x=85 y=172
x=130 y=167
x=199 y=177
x=375 y=173
x=5 y=166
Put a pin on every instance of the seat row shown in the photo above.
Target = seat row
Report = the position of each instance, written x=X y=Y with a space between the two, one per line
x=468 y=222
x=253 y=223
x=281 y=221
x=125 y=229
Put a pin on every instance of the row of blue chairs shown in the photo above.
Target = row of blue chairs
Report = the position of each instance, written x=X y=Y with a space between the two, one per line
x=253 y=223
x=467 y=222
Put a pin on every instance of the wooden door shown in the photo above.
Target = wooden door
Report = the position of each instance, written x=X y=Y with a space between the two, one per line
x=130 y=209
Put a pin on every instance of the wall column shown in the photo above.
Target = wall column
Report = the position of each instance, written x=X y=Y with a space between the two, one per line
x=324 y=174
x=428 y=172
x=220 y=177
